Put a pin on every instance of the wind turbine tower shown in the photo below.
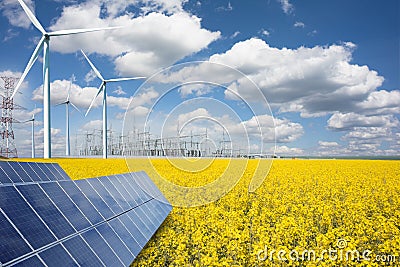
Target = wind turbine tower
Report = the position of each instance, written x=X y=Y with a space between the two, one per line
x=33 y=134
x=44 y=45
x=102 y=89
x=68 y=102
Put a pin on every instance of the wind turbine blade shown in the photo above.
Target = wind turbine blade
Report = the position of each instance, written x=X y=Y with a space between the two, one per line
x=32 y=17
x=69 y=91
x=93 y=67
x=101 y=88
x=62 y=103
x=29 y=65
x=76 y=31
x=75 y=107
x=125 y=79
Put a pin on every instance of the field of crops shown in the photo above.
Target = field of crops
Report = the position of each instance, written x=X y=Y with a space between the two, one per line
x=306 y=213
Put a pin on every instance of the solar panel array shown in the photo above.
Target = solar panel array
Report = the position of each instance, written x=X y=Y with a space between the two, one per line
x=52 y=221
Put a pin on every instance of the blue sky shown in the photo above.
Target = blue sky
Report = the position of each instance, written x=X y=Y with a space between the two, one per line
x=329 y=71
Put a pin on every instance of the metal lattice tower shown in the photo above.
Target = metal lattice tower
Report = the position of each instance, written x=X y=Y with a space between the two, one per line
x=7 y=144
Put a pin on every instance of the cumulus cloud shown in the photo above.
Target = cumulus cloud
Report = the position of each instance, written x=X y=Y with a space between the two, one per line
x=79 y=96
x=288 y=151
x=92 y=125
x=16 y=16
x=313 y=81
x=347 y=121
x=145 y=43
x=327 y=144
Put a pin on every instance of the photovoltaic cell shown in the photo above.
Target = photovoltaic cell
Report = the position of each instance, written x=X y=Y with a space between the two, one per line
x=66 y=206
x=27 y=172
x=46 y=210
x=21 y=172
x=3 y=175
x=48 y=219
x=125 y=235
x=101 y=248
x=95 y=199
x=24 y=218
x=56 y=255
x=9 y=171
x=81 y=252
x=105 y=195
x=119 y=198
x=31 y=261
x=41 y=174
x=82 y=202
x=12 y=244
x=116 y=243
x=30 y=171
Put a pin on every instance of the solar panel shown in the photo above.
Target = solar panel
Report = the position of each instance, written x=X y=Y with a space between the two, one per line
x=28 y=172
x=52 y=220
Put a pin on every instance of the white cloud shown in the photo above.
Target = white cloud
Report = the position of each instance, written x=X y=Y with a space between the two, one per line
x=265 y=32
x=81 y=97
x=229 y=7
x=368 y=133
x=235 y=34
x=347 y=121
x=288 y=151
x=185 y=117
x=299 y=24
x=274 y=129
x=381 y=102
x=90 y=76
x=93 y=125
x=327 y=144
x=145 y=43
x=312 y=33
x=287 y=131
x=287 y=7
x=16 y=16
x=313 y=81
x=119 y=91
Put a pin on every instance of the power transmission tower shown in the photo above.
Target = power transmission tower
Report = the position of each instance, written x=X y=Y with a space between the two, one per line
x=7 y=143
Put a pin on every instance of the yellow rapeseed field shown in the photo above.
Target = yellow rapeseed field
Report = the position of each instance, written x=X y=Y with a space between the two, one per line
x=306 y=213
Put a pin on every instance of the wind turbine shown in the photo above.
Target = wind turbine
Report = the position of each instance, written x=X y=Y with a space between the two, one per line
x=102 y=88
x=44 y=44
x=67 y=102
x=33 y=133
